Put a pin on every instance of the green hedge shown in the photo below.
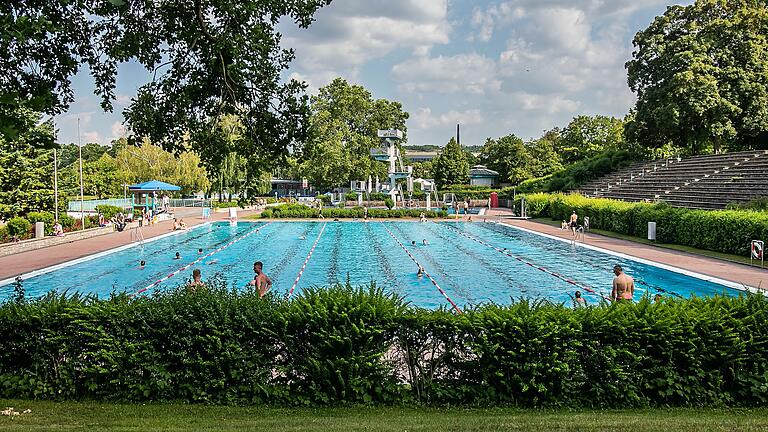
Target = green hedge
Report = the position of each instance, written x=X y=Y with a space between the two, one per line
x=348 y=345
x=538 y=184
x=108 y=211
x=45 y=217
x=300 y=211
x=728 y=231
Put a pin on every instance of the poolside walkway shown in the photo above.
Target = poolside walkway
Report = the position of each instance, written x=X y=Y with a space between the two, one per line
x=734 y=272
x=18 y=264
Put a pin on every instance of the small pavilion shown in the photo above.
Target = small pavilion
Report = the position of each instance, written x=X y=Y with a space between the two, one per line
x=145 y=195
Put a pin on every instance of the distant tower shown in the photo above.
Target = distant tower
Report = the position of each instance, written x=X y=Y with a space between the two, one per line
x=458 y=135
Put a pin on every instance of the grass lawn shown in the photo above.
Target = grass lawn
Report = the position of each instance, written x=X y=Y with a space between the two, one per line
x=711 y=254
x=90 y=416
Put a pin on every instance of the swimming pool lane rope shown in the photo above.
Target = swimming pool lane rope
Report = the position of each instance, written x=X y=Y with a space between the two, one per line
x=578 y=258
x=531 y=264
x=434 y=282
x=208 y=255
x=304 y=266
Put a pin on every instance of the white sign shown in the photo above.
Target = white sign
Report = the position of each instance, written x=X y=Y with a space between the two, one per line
x=304 y=183
x=390 y=133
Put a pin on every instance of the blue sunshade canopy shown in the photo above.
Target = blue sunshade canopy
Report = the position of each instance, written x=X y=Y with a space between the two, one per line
x=154 y=185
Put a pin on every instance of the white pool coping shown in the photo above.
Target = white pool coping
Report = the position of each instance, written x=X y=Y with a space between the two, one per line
x=76 y=261
x=708 y=278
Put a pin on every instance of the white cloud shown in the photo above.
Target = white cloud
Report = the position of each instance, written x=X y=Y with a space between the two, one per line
x=350 y=33
x=463 y=73
x=118 y=130
x=122 y=100
x=425 y=119
x=91 y=137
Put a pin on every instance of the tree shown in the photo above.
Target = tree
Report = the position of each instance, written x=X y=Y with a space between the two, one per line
x=100 y=177
x=588 y=136
x=699 y=73
x=69 y=154
x=26 y=168
x=209 y=58
x=423 y=170
x=343 y=128
x=509 y=156
x=150 y=162
x=450 y=167
x=544 y=154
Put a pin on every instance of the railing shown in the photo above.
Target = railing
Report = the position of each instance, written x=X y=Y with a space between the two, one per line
x=189 y=202
x=90 y=205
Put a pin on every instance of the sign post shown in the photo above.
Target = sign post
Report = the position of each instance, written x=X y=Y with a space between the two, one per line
x=757 y=252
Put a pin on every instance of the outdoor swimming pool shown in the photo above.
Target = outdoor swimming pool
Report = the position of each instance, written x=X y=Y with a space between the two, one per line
x=473 y=263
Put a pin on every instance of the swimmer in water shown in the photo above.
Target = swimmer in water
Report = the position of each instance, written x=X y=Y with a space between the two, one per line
x=178 y=256
x=196 y=279
x=142 y=264
x=261 y=281
x=413 y=242
x=199 y=251
x=420 y=273
x=424 y=242
x=211 y=262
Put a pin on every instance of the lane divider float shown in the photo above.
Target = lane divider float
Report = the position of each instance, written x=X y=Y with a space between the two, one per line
x=530 y=264
x=434 y=282
x=304 y=266
x=208 y=255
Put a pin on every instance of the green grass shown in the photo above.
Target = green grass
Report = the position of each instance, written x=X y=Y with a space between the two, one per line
x=711 y=254
x=92 y=416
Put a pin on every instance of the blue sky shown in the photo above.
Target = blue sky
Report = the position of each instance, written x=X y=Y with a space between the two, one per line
x=496 y=67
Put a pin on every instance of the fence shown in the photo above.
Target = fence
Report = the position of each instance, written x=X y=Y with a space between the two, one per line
x=190 y=203
x=90 y=205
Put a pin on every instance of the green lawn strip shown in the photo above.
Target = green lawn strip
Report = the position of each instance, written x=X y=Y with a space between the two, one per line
x=710 y=254
x=93 y=416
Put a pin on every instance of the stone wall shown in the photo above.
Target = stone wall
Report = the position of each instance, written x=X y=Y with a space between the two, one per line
x=34 y=244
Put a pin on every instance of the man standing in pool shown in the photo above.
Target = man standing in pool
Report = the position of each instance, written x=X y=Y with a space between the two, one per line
x=623 y=285
x=261 y=281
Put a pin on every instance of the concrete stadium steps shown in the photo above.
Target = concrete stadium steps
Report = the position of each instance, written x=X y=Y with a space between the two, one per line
x=707 y=182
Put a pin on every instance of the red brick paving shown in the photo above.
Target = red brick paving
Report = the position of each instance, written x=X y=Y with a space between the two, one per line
x=14 y=265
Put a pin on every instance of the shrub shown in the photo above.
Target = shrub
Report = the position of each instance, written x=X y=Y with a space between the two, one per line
x=300 y=211
x=66 y=221
x=538 y=184
x=225 y=204
x=757 y=204
x=4 y=237
x=44 y=217
x=389 y=203
x=18 y=227
x=344 y=345
x=464 y=192
x=108 y=211
x=727 y=231
x=585 y=170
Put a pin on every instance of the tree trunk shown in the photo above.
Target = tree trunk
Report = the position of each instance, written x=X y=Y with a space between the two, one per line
x=716 y=144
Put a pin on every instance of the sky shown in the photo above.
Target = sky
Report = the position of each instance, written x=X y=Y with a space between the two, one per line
x=495 y=67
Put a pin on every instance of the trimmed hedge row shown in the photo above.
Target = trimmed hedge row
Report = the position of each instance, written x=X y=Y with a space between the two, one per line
x=346 y=345
x=300 y=211
x=728 y=231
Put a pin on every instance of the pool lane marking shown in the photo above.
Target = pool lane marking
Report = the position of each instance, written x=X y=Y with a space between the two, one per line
x=531 y=264
x=304 y=266
x=434 y=282
x=208 y=255
x=578 y=258
x=705 y=277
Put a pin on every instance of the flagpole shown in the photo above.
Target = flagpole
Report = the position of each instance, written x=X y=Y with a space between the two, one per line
x=80 y=156
x=55 y=175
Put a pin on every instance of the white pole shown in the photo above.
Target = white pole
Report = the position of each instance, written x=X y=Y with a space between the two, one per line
x=80 y=156
x=55 y=175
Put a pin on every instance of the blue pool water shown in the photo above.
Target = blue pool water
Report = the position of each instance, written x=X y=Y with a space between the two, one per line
x=468 y=271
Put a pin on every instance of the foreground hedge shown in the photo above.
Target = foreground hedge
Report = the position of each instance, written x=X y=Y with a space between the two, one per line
x=349 y=346
x=728 y=231
x=300 y=211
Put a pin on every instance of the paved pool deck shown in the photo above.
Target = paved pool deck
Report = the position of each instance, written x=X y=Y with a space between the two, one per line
x=25 y=262
x=733 y=272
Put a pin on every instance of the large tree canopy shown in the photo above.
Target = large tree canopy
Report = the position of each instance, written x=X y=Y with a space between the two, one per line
x=451 y=167
x=509 y=156
x=208 y=57
x=343 y=128
x=700 y=73
x=588 y=136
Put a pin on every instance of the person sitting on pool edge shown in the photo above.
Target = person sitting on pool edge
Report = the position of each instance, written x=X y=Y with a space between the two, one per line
x=261 y=281
x=623 y=285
